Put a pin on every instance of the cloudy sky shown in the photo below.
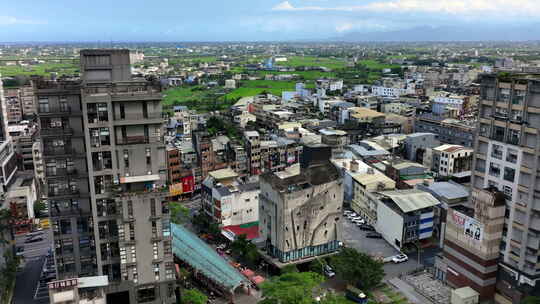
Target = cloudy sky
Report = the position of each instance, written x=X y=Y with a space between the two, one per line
x=239 y=20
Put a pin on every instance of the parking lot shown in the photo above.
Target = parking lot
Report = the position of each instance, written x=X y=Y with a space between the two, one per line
x=355 y=238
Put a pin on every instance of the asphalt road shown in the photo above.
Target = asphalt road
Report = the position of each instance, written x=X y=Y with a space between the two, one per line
x=355 y=238
x=37 y=249
x=27 y=281
x=34 y=257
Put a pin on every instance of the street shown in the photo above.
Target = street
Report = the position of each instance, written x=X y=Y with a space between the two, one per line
x=33 y=260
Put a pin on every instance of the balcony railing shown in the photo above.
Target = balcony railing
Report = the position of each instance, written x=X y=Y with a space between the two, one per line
x=63 y=192
x=67 y=212
x=56 y=132
x=135 y=140
x=59 y=151
x=61 y=172
x=53 y=110
x=139 y=116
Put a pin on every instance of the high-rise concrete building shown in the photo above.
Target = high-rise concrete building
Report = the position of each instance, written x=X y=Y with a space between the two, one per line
x=3 y=116
x=300 y=208
x=507 y=155
x=27 y=101
x=111 y=219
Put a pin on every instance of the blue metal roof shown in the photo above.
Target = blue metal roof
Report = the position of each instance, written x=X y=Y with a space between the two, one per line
x=193 y=251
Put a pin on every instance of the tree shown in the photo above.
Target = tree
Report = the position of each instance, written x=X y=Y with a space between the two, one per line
x=179 y=213
x=243 y=249
x=39 y=208
x=317 y=266
x=193 y=296
x=531 y=300
x=289 y=269
x=357 y=268
x=291 y=288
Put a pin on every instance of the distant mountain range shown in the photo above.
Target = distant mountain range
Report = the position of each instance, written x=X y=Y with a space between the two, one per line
x=448 y=33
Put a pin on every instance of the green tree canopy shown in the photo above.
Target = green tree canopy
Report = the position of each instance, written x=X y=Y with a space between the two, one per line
x=317 y=266
x=357 y=268
x=243 y=249
x=39 y=208
x=193 y=296
x=179 y=213
x=531 y=300
x=291 y=288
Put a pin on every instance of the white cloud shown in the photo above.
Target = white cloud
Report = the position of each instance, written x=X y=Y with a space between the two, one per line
x=283 y=6
x=10 y=20
x=454 y=7
x=344 y=27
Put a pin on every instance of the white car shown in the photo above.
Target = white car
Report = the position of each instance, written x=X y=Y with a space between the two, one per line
x=352 y=215
x=329 y=272
x=400 y=258
x=358 y=221
x=347 y=212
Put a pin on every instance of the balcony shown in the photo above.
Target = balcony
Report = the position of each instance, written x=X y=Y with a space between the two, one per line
x=138 y=140
x=58 y=111
x=63 y=193
x=60 y=212
x=500 y=116
x=162 y=191
x=139 y=118
x=137 y=95
x=56 y=132
x=61 y=172
x=61 y=152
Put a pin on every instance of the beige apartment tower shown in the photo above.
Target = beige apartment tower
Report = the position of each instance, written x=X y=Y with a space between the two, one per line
x=507 y=155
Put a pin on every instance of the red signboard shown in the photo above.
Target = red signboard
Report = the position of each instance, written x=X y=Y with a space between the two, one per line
x=188 y=184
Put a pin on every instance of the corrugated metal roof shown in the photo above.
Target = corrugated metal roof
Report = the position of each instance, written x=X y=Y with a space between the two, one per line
x=223 y=174
x=193 y=251
x=376 y=177
x=449 y=190
x=412 y=199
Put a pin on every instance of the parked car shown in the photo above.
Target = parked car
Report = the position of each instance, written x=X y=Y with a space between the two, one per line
x=34 y=234
x=366 y=227
x=34 y=239
x=358 y=220
x=347 y=212
x=400 y=258
x=20 y=251
x=328 y=271
x=374 y=235
x=351 y=215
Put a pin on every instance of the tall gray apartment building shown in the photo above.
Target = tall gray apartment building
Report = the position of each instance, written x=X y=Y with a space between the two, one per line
x=507 y=157
x=105 y=174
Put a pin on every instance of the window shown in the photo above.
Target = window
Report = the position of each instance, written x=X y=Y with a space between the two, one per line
x=126 y=158
x=509 y=174
x=152 y=207
x=156 y=271
x=496 y=151
x=169 y=270
x=494 y=169
x=148 y=293
x=148 y=157
x=135 y=275
x=511 y=155
x=155 y=249
x=133 y=254
x=43 y=105
x=130 y=208
x=63 y=104
x=166 y=227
